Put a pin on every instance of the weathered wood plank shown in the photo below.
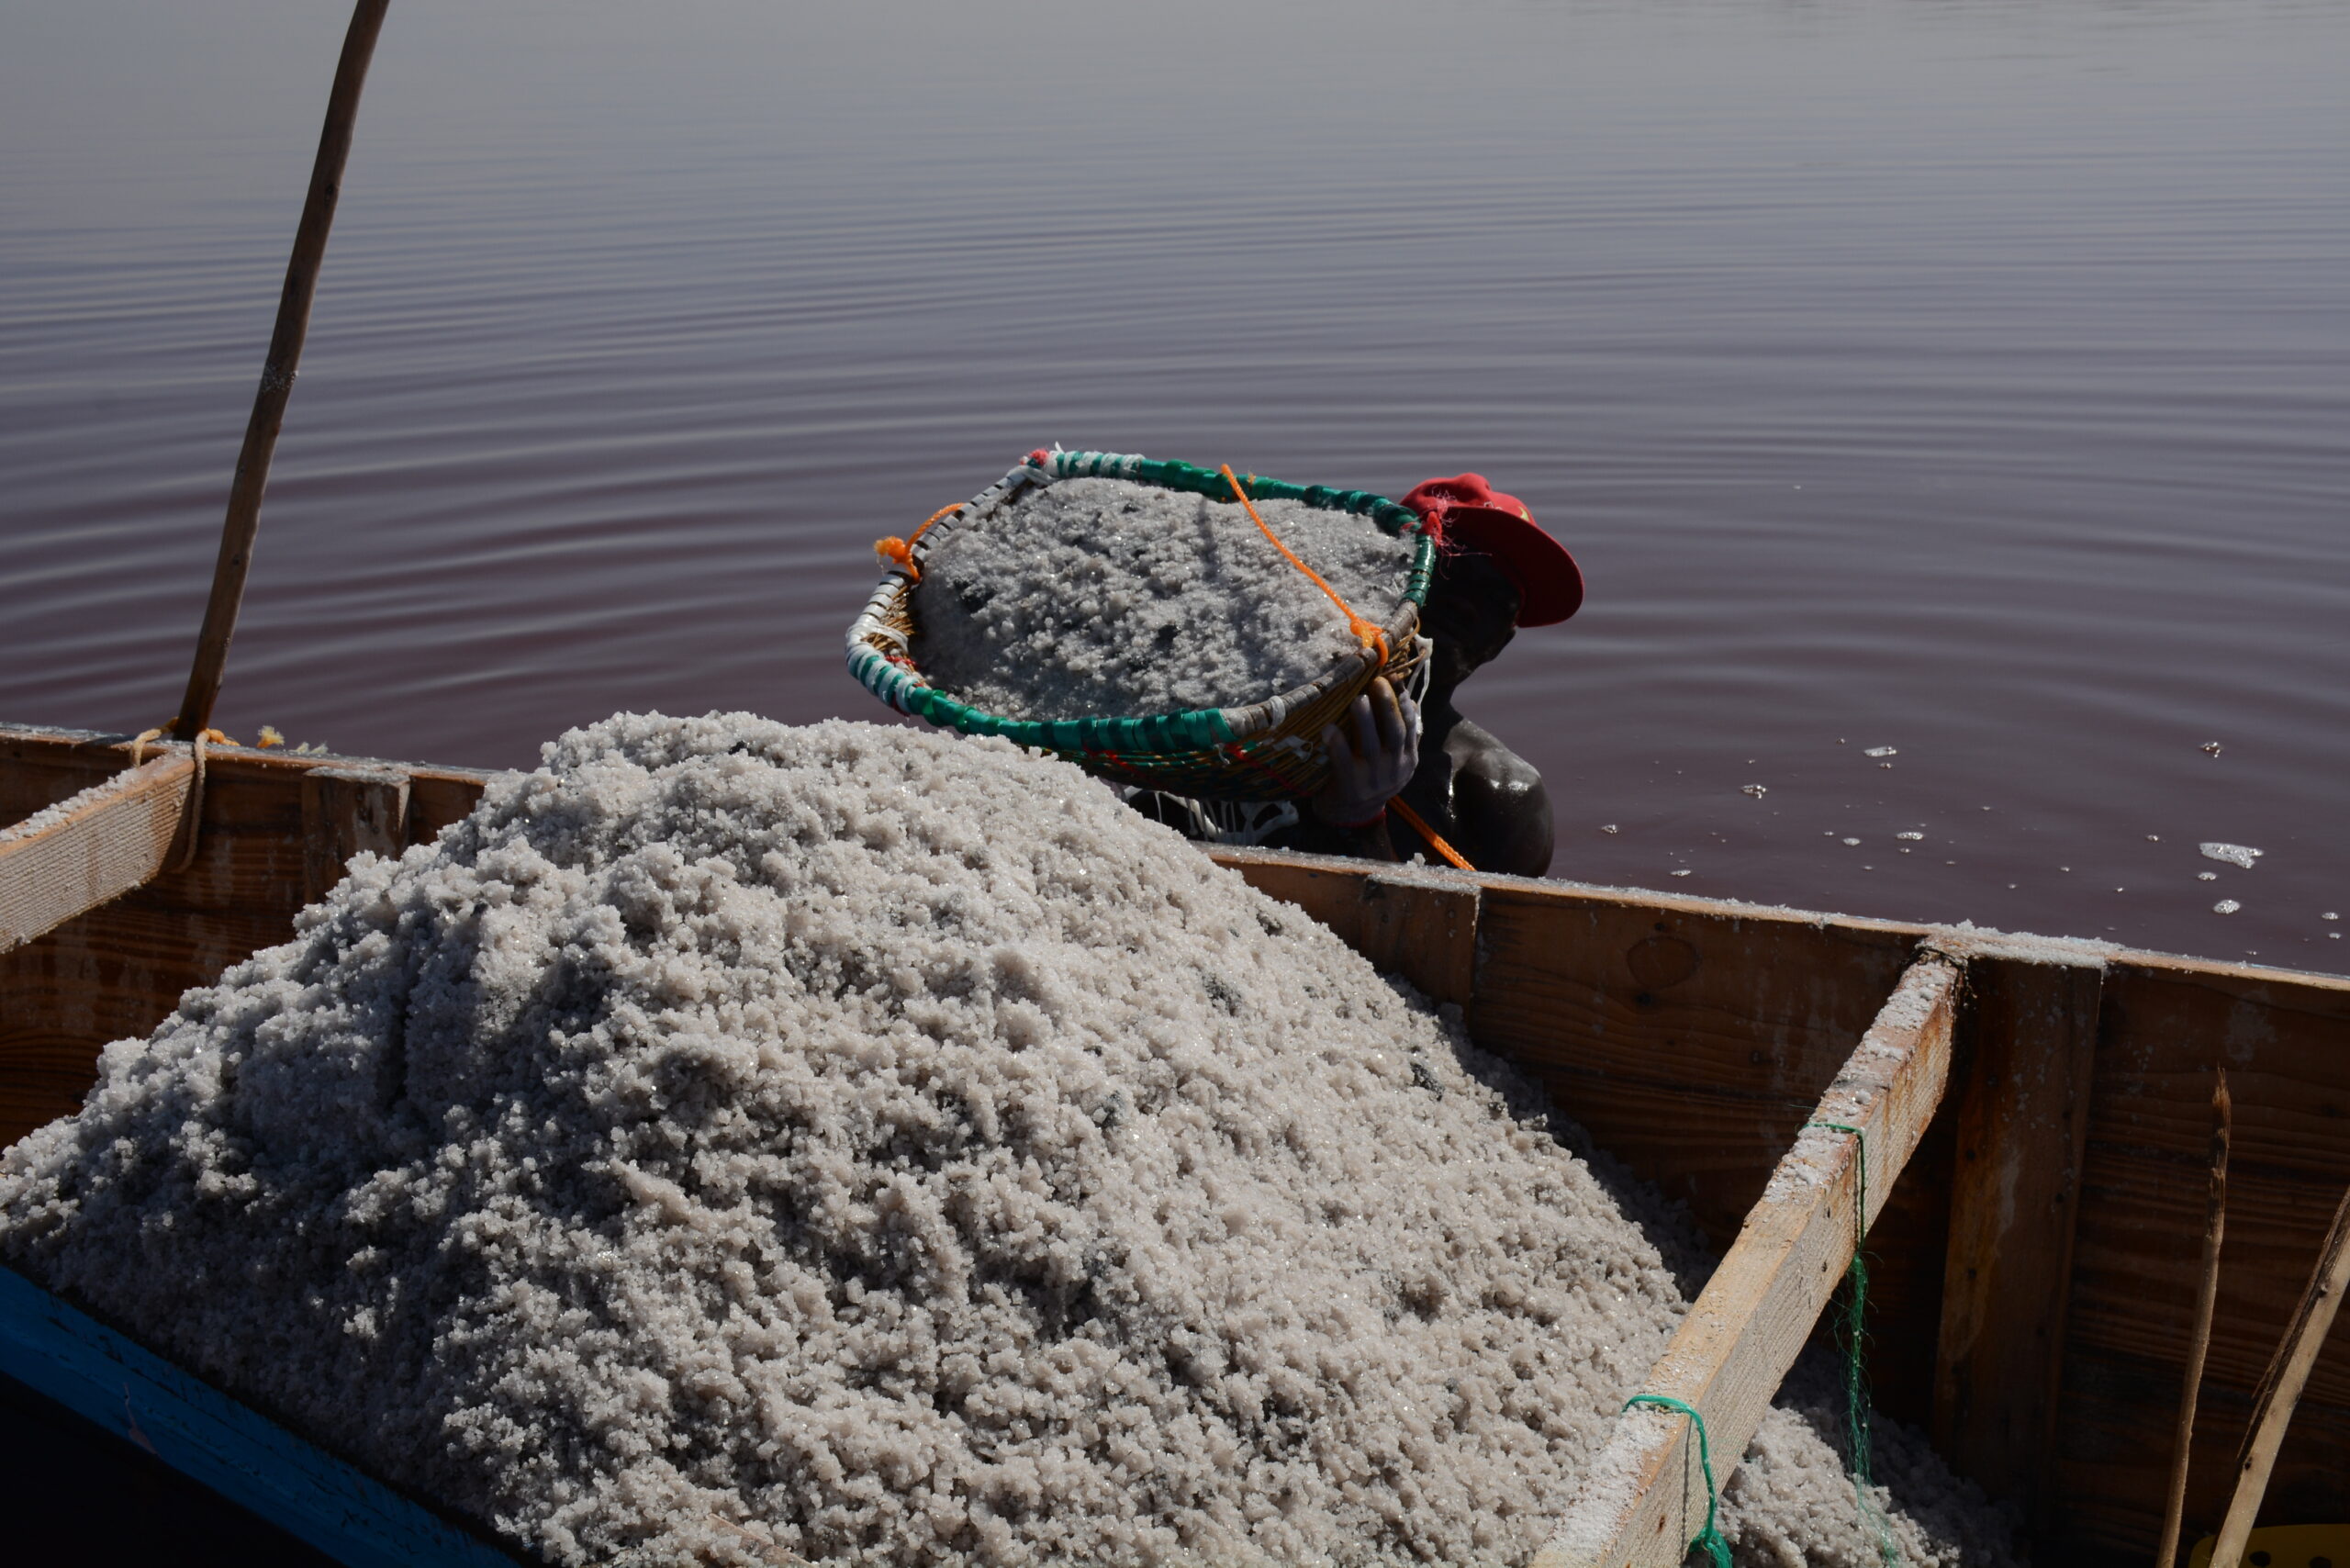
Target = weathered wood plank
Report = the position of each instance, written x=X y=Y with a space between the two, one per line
x=2286 y=1043
x=2028 y=1033
x=346 y=809
x=99 y=844
x=1691 y=1042
x=1416 y=922
x=119 y=969
x=1750 y=1322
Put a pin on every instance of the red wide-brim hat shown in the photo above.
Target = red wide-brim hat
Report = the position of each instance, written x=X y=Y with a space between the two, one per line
x=1467 y=513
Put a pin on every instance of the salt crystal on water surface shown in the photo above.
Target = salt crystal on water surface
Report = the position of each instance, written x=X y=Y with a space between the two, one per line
x=2212 y=748
x=1913 y=837
x=1683 y=872
x=1607 y=827
x=1851 y=841
x=1880 y=751
x=2226 y=906
x=2241 y=855
x=1755 y=789
x=2206 y=875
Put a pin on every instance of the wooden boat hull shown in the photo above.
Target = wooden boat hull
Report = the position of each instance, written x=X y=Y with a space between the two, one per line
x=2033 y=1265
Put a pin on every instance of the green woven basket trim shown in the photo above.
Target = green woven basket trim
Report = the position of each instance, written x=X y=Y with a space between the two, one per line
x=1201 y=739
x=1190 y=730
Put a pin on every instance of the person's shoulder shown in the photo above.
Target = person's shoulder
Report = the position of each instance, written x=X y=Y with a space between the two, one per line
x=1478 y=754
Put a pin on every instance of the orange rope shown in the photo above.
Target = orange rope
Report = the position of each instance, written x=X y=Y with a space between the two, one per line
x=900 y=552
x=1368 y=634
x=1412 y=820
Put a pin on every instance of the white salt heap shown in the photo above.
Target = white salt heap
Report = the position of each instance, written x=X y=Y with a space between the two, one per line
x=1104 y=597
x=735 y=1140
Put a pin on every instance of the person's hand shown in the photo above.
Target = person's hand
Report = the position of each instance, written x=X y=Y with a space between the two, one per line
x=1374 y=750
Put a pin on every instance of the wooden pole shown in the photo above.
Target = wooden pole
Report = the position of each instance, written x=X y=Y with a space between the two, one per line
x=2280 y=1390
x=2215 y=1221
x=243 y=520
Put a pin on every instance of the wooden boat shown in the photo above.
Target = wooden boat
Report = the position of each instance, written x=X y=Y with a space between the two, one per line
x=2034 y=1120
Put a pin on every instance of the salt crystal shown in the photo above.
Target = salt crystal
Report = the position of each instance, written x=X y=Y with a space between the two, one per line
x=1607 y=827
x=1755 y=789
x=1108 y=596
x=2233 y=854
x=1683 y=872
x=2226 y=906
x=1880 y=751
x=727 y=1125
x=2330 y=914
x=2212 y=748
x=1851 y=841
x=2206 y=875
x=1913 y=837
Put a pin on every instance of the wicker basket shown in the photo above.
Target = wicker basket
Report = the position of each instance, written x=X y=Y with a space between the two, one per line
x=1263 y=751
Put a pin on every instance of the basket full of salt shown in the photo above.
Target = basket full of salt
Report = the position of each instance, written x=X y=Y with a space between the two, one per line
x=1158 y=624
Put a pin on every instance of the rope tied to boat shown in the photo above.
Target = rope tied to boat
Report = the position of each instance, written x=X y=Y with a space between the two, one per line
x=1708 y=1540
x=192 y=820
x=1852 y=1329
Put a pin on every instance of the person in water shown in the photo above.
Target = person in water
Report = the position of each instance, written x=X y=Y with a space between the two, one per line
x=1496 y=570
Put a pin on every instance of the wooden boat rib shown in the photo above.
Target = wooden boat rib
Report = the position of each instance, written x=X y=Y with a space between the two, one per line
x=2034 y=1116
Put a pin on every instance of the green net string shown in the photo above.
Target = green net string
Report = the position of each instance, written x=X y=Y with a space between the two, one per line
x=1852 y=1329
x=1709 y=1540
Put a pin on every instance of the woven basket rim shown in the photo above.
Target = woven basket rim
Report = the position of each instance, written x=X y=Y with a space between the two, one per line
x=902 y=683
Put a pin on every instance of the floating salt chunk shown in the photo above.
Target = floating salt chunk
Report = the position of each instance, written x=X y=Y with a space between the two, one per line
x=2211 y=748
x=2153 y=838
x=1683 y=872
x=2241 y=855
x=2330 y=914
x=1880 y=751
x=2226 y=906
x=1851 y=841
x=1607 y=827
x=1757 y=790
x=1912 y=837
x=2206 y=875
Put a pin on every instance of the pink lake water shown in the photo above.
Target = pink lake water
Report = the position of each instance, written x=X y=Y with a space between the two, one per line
x=1968 y=380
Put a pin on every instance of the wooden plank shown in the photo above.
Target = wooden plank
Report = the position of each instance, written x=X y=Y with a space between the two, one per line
x=1414 y=921
x=2286 y=1043
x=136 y=1394
x=346 y=809
x=1691 y=1042
x=2028 y=1035
x=1750 y=1322
x=118 y=969
x=92 y=848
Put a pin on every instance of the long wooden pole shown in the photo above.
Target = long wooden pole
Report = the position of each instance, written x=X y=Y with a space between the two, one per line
x=2280 y=1390
x=243 y=520
x=2215 y=1223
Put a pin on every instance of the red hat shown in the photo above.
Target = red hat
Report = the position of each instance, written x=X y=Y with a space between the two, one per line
x=1468 y=513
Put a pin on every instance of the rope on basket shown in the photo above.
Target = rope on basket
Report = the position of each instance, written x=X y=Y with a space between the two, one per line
x=1708 y=1540
x=900 y=553
x=1367 y=633
x=1857 y=1418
